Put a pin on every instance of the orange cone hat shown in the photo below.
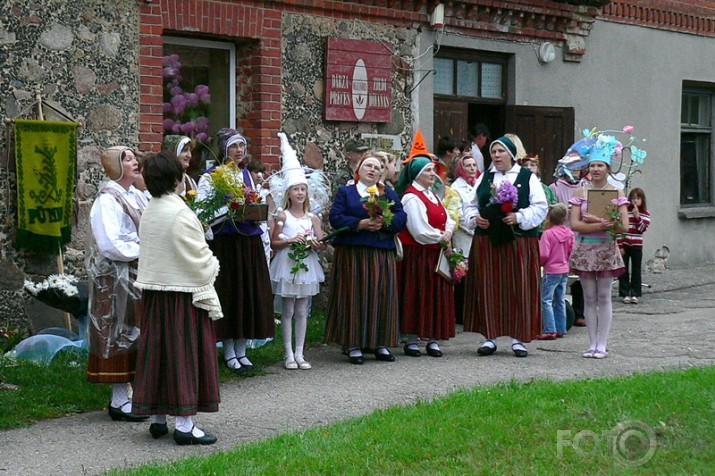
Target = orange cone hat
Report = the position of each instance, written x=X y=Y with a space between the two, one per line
x=420 y=149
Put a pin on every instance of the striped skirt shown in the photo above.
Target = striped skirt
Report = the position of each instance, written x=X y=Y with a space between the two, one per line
x=112 y=342
x=177 y=365
x=362 y=303
x=502 y=289
x=426 y=300
x=244 y=288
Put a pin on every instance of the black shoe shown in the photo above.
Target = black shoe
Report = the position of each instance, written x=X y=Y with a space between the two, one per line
x=157 y=430
x=521 y=351
x=357 y=360
x=384 y=357
x=246 y=366
x=188 y=438
x=486 y=350
x=433 y=350
x=411 y=351
x=242 y=370
x=118 y=415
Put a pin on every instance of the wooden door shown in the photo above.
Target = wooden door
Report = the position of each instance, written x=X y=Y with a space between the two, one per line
x=450 y=119
x=546 y=131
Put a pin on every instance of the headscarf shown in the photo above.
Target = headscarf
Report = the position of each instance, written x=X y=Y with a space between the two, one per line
x=112 y=161
x=508 y=145
x=460 y=171
x=226 y=138
x=175 y=144
x=410 y=172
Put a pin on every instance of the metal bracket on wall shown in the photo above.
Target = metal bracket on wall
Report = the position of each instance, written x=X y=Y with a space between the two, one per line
x=429 y=71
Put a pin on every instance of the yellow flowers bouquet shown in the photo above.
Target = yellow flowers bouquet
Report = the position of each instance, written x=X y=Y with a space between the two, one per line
x=377 y=205
x=227 y=190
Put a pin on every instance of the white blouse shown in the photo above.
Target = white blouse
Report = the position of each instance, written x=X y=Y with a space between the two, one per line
x=527 y=218
x=417 y=224
x=114 y=232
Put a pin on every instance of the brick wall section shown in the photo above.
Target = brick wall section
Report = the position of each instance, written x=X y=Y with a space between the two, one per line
x=693 y=16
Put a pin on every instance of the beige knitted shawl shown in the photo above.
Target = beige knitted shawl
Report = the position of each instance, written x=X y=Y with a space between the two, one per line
x=174 y=256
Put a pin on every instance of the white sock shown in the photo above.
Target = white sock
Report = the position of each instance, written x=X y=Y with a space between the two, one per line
x=355 y=352
x=185 y=424
x=433 y=345
x=301 y=323
x=229 y=355
x=413 y=345
x=160 y=419
x=239 y=346
x=382 y=350
x=120 y=397
x=517 y=343
x=287 y=326
x=489 y=343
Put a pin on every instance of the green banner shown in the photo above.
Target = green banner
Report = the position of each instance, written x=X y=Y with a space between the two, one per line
x=45 y=157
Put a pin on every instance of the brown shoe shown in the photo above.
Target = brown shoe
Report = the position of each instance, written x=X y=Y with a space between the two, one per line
x=581 y=322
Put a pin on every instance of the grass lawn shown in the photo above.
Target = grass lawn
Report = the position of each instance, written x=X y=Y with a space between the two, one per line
x=666 y=427
x=61 y=388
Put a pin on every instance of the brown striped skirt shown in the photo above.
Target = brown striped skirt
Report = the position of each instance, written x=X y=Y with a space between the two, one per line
x=112 y=345
x=426 y=300
x=177 y=364
x=502 y=289
x=244 y=288
x=362 y=303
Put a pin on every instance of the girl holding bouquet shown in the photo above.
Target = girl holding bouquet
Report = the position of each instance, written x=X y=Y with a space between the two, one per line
x=296 y=273
x=362 y=304
x=426 y=299
x=502 y=289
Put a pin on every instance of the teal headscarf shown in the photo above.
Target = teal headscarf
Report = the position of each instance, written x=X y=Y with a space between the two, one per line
x=410 y=172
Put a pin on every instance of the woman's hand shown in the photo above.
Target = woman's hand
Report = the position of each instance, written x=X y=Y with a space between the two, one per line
x=446 y=238
x=371 y=224
x=482 y=223
x=588 y=218
x=318 y=245
x=510 y=219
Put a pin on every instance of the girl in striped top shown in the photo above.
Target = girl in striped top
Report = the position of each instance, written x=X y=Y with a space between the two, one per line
x=631 y=246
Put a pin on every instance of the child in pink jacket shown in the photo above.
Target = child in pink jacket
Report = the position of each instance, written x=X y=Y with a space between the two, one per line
x=555 y=247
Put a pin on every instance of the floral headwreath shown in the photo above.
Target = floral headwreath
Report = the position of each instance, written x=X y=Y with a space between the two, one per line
x=604 y=146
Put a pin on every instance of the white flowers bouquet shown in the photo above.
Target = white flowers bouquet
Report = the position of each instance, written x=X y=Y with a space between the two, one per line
x=61 y=291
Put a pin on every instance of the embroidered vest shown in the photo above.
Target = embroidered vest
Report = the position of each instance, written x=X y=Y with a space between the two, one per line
x=484 y=193
x=436 y=217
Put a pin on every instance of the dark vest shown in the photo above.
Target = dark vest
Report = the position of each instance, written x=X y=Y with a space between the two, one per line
x=484 y=193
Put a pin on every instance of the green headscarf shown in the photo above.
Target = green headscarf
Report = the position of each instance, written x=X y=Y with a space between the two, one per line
x=410 y=172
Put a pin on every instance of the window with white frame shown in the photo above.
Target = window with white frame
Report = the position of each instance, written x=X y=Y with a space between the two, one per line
x=199 y=90
x=696 y=146
x=469 y=74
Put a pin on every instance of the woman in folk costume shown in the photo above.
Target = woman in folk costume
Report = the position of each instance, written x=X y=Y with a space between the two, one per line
x=112 y=253
x=244 y=286
x=295 y=282
x=181 y=147
x=177 y=365
x=362 y=304
x=426 y=300
x=502 y=291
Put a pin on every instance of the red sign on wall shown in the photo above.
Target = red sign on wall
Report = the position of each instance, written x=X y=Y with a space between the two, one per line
x=358 y=81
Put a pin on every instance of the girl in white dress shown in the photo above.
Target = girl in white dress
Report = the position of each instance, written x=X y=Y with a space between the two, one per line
x=293 y=278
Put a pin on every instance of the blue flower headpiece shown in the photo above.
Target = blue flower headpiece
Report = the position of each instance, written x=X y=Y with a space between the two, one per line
x=604 y=147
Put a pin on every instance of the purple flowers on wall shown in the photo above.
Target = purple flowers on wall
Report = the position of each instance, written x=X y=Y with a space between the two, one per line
x=185 y=112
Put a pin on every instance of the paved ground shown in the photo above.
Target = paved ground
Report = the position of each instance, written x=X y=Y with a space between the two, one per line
x=673 y=327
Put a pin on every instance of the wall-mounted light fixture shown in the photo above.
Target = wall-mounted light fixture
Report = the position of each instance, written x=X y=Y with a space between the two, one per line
x=546 y=52
x=436 y=20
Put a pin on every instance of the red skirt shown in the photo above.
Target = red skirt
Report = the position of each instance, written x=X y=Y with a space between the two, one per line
x=502 y=289
x=177 y=364
x=244 y=288
x=362 y=303
x=426 y=300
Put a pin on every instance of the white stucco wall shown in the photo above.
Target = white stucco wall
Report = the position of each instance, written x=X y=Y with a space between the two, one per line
x=629 y=76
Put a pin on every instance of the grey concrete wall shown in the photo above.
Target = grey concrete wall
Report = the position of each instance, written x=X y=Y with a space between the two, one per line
x=629 y=76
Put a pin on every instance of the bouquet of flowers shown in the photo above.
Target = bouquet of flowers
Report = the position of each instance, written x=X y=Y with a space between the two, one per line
x=458 y=264
x=502 y=202
x=227 y=190
x=298 y=253
x=61 y=291
x=377 y=205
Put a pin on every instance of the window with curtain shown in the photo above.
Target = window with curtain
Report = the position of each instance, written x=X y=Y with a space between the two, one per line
x=696 y=147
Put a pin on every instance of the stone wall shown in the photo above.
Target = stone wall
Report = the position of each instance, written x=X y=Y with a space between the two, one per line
x=81 y=56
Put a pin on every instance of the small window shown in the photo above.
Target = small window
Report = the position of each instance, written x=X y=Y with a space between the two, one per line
x=696 y=151
x=199 y=89
x=470 y=75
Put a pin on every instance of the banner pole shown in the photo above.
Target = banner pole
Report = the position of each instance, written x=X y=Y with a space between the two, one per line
x=61 y=270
